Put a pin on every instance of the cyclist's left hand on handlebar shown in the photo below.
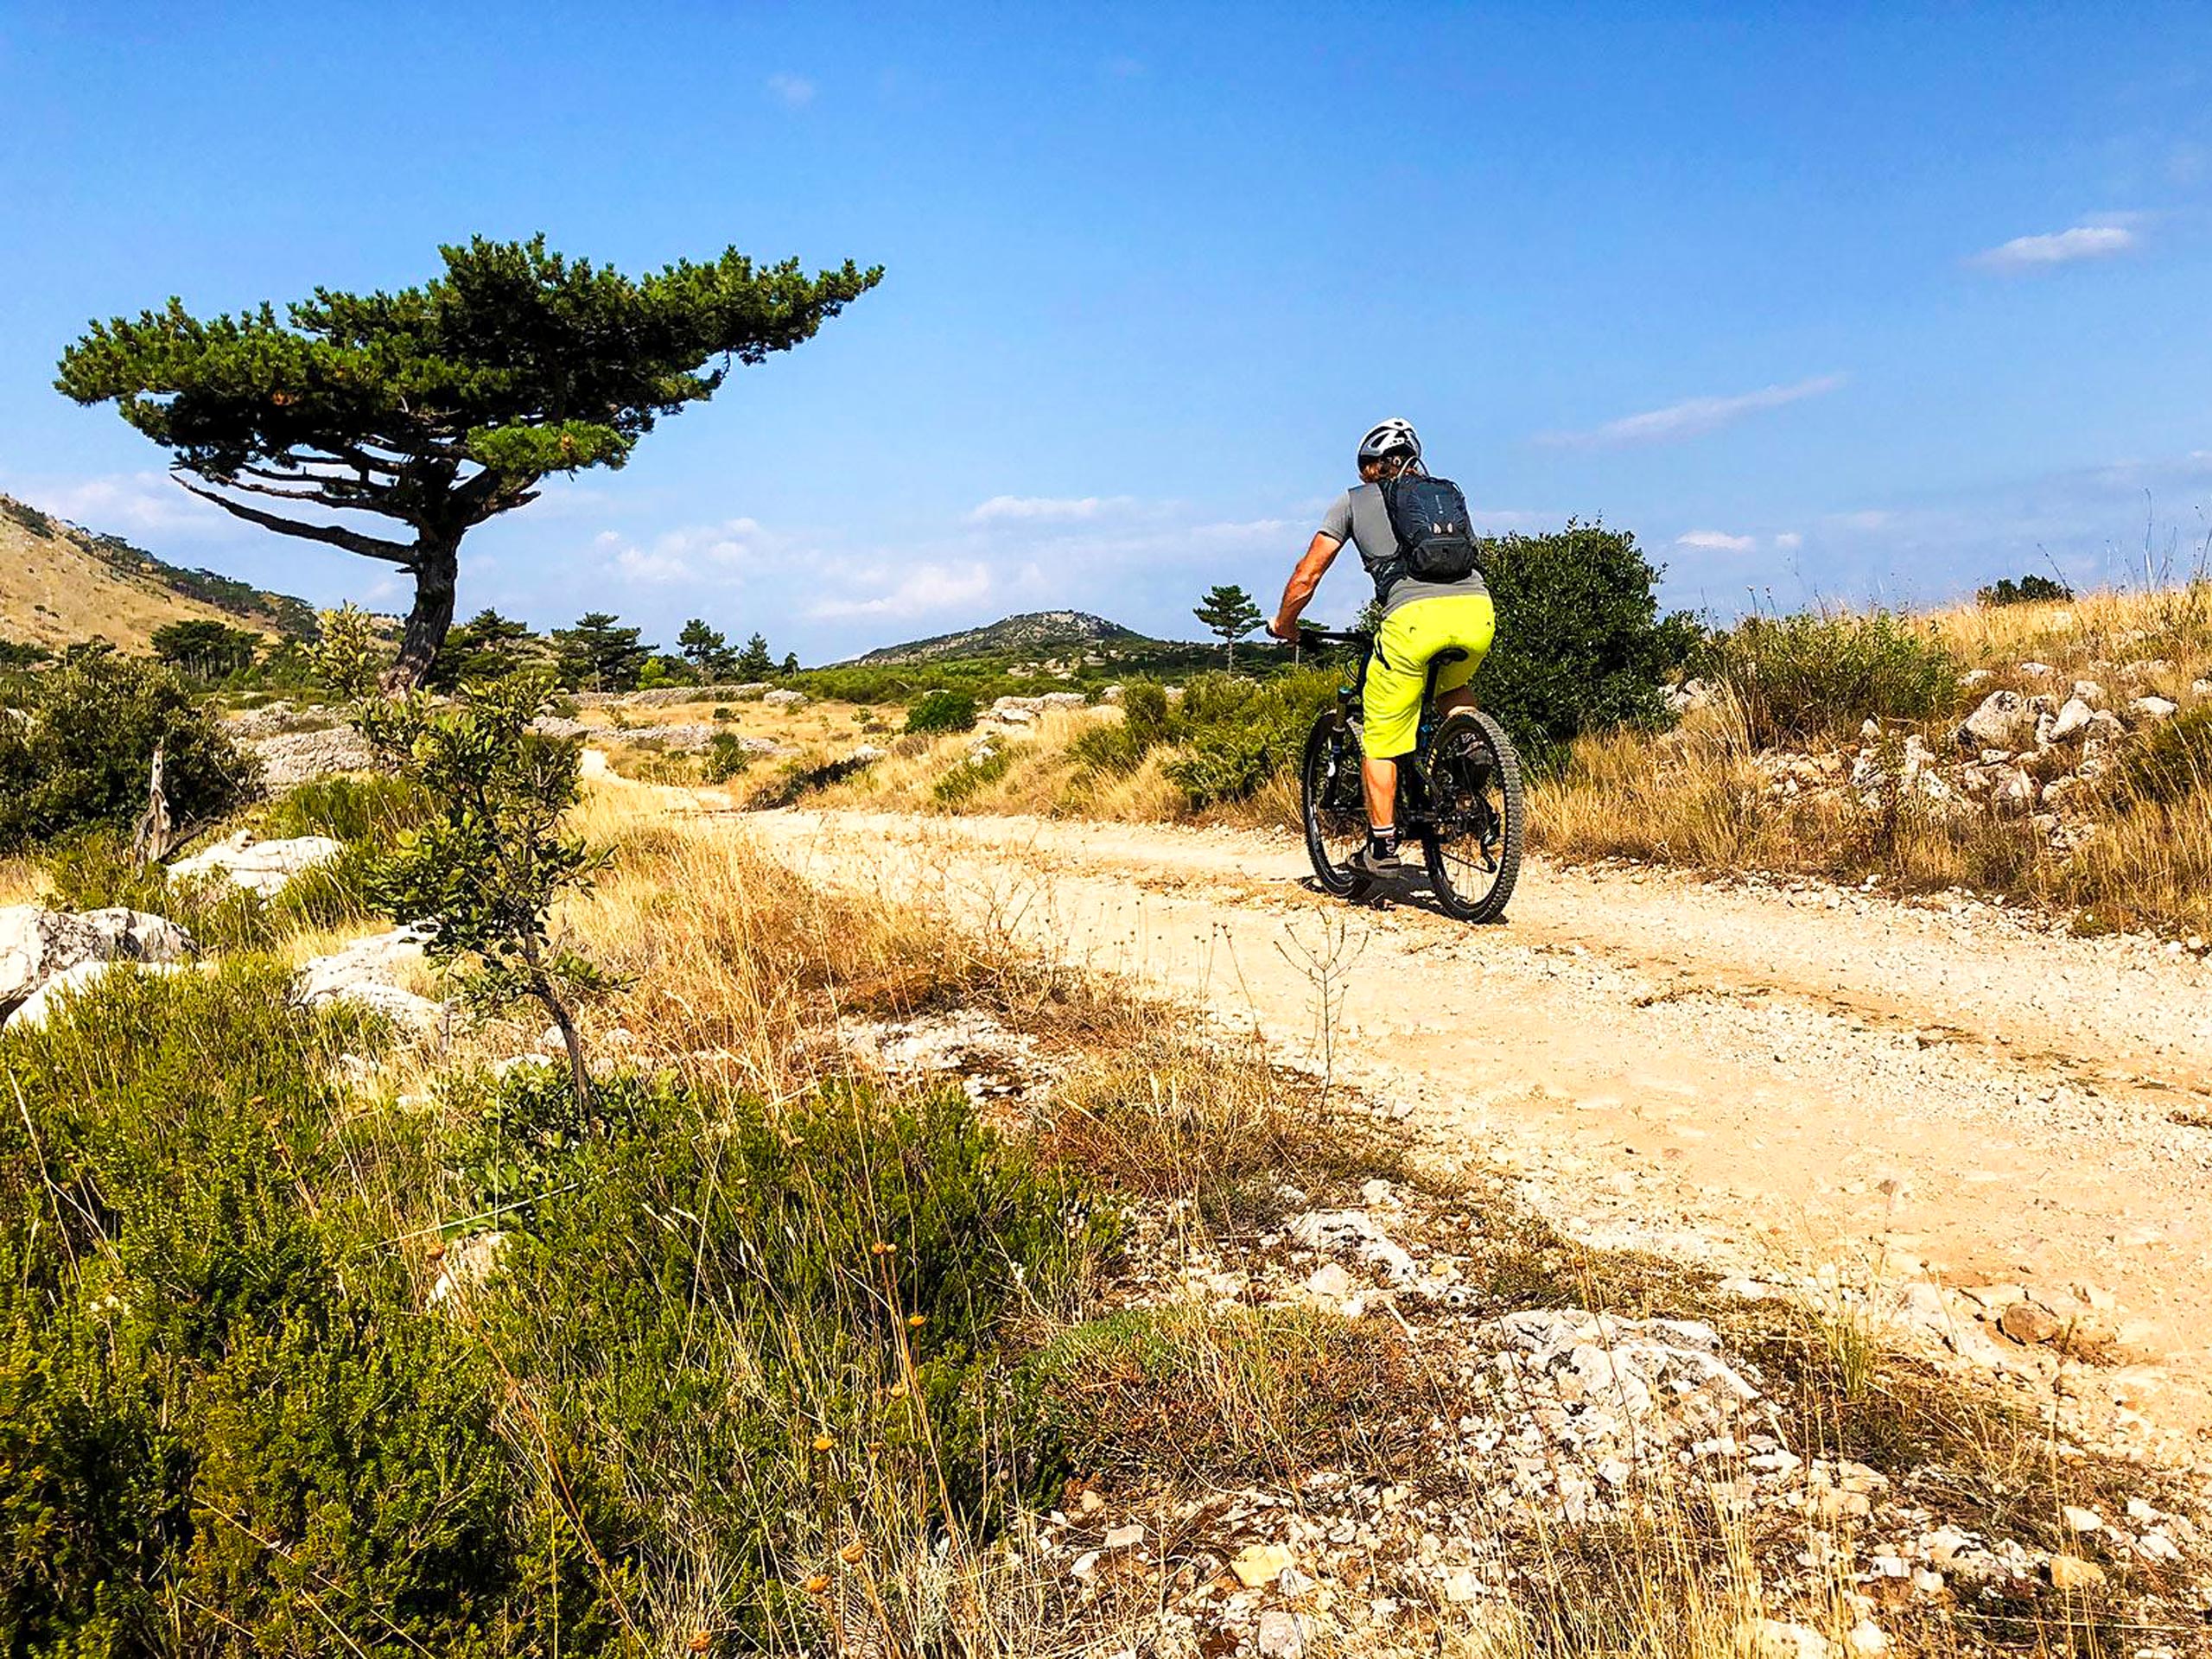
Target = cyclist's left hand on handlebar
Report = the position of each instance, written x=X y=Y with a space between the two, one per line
x=1276 y=630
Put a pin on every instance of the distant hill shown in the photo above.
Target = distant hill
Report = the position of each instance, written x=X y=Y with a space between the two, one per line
x=1032 y=634
x=60 y=583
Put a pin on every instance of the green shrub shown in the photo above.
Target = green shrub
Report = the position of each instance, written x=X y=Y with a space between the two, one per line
x=1814 y=675
x=82 y=750
x=1581 y=646
x=2030 y=590
x=1233 y=735
x=1146 y=713
x=942 y=710
x=1108 y=748
x=969 y=778
x=364 y=807
x=231 y=1421
x=1146 y=723
x=2169 y=763
x=483 y=868
x=696 y=1293
x=726 y=757
x=224 y=1425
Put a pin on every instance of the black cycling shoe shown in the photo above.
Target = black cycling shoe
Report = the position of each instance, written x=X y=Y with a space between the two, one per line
x=1377 y=863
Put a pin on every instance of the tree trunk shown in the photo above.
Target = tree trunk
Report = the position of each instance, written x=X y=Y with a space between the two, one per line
x=579 y=1071
x=438 y=566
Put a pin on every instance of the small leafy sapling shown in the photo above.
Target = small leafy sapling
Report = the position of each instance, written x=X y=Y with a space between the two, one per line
x=484 y=872
x=347 y=655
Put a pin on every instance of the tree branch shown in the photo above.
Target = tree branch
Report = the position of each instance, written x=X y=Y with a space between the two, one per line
x=352 y=541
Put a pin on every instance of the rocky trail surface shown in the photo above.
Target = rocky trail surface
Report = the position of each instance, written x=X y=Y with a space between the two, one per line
x=1793 y=1084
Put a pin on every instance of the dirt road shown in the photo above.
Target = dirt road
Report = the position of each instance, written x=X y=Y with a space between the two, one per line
x=1766 y=1079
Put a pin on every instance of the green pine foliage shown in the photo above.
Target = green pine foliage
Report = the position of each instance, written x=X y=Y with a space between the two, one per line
x=599 y=654
x=1229 y=613
x=755 y=662
x=441 y=406
x=485 y=647
x=204 y=649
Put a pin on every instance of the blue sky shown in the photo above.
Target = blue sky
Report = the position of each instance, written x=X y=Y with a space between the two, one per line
x=1855 y=302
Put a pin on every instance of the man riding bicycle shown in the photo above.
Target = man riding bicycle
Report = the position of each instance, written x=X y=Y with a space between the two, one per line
x=1420 y=617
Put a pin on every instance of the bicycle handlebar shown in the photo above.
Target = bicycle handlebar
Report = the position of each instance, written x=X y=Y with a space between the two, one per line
x=1307 y=636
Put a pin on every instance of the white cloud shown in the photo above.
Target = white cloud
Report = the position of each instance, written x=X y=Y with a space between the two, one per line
x=793 y=92
x=127 y=504
x=641 y=565
x=923 y=589
x=1716 y=540
x=1692 y=416
x=1046 y=509
x=688 y=552
x=2057 y=248
x=1789 y=542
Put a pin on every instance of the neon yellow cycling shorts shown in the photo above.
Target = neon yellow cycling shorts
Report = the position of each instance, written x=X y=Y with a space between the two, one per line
x=1412 y=634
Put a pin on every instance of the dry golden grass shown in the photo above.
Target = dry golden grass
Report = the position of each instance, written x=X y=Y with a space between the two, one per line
x=21 y=880
x=2169 y=624
x=54 y=592
x=738 y=968
x=1695 y=797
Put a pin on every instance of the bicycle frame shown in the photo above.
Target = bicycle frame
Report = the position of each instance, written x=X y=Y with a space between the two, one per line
x=1416 y=785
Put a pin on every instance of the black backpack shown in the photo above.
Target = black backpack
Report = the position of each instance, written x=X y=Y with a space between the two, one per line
x=1436 y=542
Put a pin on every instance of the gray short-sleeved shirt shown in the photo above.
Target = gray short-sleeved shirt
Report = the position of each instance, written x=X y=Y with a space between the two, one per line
x=1358 y=516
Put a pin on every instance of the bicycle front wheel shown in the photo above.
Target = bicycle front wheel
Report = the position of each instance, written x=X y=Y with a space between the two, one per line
x=1474 y=850
x=1331 y=803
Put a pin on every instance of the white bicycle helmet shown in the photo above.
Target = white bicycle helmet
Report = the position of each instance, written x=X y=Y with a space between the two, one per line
x=1391 y=437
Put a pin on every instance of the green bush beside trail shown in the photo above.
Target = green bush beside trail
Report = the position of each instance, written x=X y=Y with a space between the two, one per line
x=78 y=748
x=1813 y=675
x=236 y=1415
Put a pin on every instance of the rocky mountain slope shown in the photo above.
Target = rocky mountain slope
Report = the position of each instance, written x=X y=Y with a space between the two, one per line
x=1032 y=633
x=60 y=583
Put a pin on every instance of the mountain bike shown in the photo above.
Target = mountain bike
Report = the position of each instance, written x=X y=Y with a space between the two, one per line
x=1460 y=792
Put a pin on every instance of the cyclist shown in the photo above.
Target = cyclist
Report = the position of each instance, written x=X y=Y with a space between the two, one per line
x=1418 y=619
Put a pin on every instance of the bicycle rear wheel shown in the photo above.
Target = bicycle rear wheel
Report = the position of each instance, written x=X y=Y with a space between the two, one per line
x=1333 y=807
x=1474 y=851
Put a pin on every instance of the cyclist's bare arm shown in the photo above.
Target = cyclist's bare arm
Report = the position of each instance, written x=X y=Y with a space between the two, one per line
x=1299 y=592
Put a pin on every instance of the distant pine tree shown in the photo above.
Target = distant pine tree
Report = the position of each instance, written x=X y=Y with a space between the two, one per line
x=1229 y=614
x=754 y=663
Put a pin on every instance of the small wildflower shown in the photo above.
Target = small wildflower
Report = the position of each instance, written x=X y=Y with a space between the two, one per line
x=916 y=1321
x=701 y=1641
x=824 y=1443
x=817 y=1584
x=880 y=1248
x=851 y=1553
